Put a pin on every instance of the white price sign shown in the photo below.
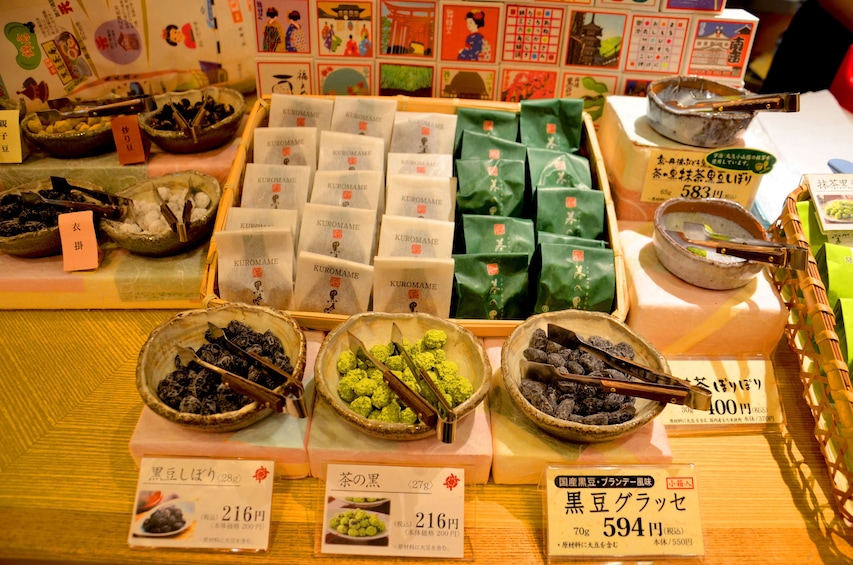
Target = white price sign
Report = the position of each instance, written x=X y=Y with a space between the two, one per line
x=388 y=510
x=617 y=512
x=203 y=503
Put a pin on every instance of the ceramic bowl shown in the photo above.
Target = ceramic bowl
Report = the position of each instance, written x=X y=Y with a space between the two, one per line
x=209 y=137
x=712 y=271
x=41 y=243
x=187 y=329
x=167 y=243
x=72 y=143
x=585 y=324
x=691 y=127
x=374 y=328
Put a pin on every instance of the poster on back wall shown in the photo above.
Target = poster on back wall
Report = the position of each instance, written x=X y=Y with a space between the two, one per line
x=345 y=29
x=282 y=26
x=470 y=32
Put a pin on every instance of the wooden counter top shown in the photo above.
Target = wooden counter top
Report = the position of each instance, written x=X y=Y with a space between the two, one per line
x=67 y=480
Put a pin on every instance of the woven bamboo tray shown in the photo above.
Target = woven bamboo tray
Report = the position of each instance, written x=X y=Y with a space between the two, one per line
x=825 y=376
x=259 y=117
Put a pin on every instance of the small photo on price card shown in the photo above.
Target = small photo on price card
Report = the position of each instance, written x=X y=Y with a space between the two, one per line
x=394 y=510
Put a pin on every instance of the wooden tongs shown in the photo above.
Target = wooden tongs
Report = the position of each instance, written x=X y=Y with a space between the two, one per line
x=107 y=205
x=176 y=224
x=294 y=391
x=656 y=385
x=427 y=413
x=763 y=251
x=63 y=108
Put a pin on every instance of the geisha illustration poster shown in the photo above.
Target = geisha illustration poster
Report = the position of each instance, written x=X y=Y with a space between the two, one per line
x=527 y=84
x=345 y=79
x=282 y=26
x=470 y=32
x=407 y=29
x=595 y=39
x=284 y=77
x=345 y=29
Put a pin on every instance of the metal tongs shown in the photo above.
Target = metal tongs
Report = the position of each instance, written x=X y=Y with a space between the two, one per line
x=655 y=386
x=261 y=394
x=61 y=108
x=294 y=390
x=772 y=252
x=177 y=225
x=427 y=413
x=108 y=205
x=446 y=426
x=785 y=102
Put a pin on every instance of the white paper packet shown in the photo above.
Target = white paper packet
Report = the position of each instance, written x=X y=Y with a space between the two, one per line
x=286 y=146
x=356 y=189
x=401 y=236
x=278 y=187
x=345 y=233
x=429 y=165
x=423 y=132
x=256 y=266
x=240 y=218
x=414 y=196
x=350 y=152
x=402 y=284
x=372 y=117
x=330 y=285
x=300 y=111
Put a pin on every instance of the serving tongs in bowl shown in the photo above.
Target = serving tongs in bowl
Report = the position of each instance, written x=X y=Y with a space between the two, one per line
x=242 y=385
x=427 y=413
x=763 y=251
x=652 y=384
x=107 y=205
x=446 y=425
x=176 y=224
x=63 y=108
x=784 y=102
x=293 y=398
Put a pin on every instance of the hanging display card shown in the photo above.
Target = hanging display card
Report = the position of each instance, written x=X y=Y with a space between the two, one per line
x=203 y=503
x=625 y=512
x=400 y=511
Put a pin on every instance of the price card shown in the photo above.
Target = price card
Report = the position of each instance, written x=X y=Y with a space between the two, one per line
x=687 y=174
x=388 y=510
x=203 y=503
x=618 y=512
x=743 y=394
x=11 y=148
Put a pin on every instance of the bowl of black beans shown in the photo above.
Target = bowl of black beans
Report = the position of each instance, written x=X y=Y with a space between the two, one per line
x=29 y=227
x=193 y=121
x=573 y=411
x=192 y=395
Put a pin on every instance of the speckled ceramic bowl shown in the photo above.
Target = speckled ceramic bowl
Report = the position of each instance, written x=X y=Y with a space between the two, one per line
x=186 y=329
x=702 y=129
x=168 y=243
x=44 y=242
x=374 y=328
x=712 y=271
x=71 y=144
x=585 y=324
x=208 y=138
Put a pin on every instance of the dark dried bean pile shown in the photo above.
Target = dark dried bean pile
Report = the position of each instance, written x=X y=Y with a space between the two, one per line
x=216 y=112
x=164 y=521
x=575 y=402
x=196 y=390
x=17 y=217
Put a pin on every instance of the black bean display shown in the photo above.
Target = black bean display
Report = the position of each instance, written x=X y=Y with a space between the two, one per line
x=215 y=112
x=196 y=390
x=578 y=402
x=164 y=521
x=17 y=217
